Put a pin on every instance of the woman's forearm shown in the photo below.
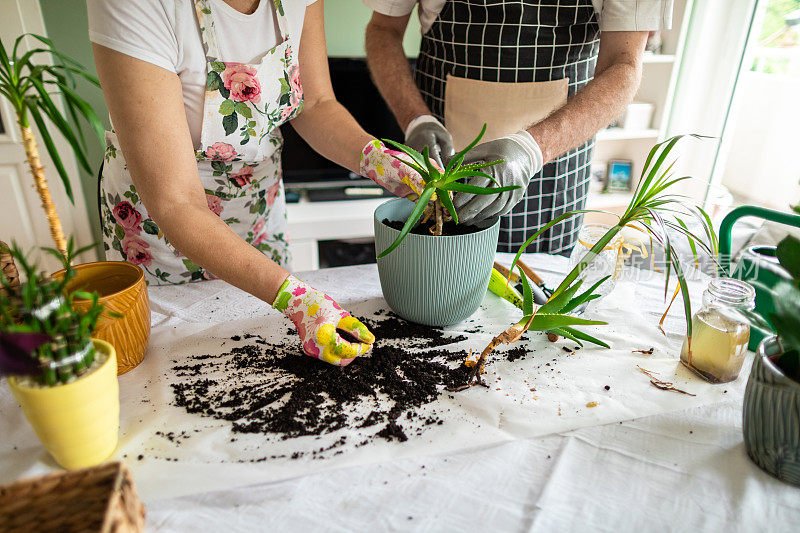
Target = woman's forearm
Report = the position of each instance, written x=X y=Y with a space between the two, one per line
x=332 y=132
x=213 y=245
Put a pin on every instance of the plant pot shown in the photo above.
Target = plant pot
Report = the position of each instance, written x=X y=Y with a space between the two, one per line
x=122 y=290
x=436 y=281
x=78 y=423
x=771 y=416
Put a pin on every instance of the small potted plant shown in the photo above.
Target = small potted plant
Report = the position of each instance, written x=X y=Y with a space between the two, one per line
x=771 y=412
x=30 y=86
x=65 y=381
x=434 y=270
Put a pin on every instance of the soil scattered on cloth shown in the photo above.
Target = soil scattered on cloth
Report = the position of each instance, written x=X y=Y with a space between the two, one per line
x=269 y=388
x=449 y=228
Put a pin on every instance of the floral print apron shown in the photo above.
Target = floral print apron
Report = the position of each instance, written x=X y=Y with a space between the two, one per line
x=239 y=161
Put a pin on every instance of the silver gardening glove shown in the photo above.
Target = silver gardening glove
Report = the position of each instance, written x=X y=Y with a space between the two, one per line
x=522 y=158
x=424 y=131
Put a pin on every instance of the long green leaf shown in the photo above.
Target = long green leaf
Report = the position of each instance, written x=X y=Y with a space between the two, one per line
x=471 y=145
x=544 y=322
x=51 y=149
x=584 y=297
x=527 y=293
x=557 y=302
x=415 y=215
x=585 y=336
x=419 y=170
x=447 y=202
x=473 y=189
x=48 y=108
x=415 y=155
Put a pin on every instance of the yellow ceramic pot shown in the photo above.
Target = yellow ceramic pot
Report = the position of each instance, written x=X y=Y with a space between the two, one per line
x=78 y=423
x=123 y=291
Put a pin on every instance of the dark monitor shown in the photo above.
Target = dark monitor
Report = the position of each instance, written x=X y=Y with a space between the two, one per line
x=356 y=92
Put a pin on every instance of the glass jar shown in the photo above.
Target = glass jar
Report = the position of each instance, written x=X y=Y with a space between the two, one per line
x=720 y=331
x=606 y=263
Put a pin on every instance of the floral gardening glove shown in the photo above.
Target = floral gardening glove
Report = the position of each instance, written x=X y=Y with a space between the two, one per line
x=317 y=317
x=399 y=179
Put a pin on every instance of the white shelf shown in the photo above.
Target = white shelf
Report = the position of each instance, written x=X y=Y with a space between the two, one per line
x=658 y=58
x=620 y=134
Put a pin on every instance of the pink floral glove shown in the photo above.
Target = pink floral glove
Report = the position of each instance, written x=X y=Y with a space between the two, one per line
x=399 y=179
x=317 y=318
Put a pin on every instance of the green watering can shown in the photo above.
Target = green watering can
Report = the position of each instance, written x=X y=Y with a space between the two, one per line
x=757 y=263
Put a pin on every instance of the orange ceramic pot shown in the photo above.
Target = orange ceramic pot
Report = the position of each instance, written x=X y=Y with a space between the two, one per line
x=122 y=290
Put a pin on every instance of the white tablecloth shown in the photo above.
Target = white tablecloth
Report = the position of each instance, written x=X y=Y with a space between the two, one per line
x=671 y=471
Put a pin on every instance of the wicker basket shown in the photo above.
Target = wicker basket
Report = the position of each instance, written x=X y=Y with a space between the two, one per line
x=7 y=266
x=101 y=498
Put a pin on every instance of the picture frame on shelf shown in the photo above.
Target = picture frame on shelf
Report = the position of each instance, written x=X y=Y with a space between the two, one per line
x=619 y=175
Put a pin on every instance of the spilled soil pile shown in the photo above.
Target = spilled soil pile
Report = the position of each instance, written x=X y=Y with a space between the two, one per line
x=274 y=389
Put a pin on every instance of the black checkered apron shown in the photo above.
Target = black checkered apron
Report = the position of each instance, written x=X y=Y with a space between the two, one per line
x=520 y=41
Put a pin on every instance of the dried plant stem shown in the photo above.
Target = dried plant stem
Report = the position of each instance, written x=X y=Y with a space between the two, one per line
x=437 y=209
x=35 y=163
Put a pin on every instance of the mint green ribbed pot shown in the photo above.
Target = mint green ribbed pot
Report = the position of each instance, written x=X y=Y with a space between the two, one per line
x=436 y=281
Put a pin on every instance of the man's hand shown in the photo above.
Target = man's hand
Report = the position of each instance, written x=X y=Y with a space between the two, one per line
x=521 y=159
x=427 y=131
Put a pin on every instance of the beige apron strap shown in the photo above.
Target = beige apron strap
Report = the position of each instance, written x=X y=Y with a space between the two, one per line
x=504 y=107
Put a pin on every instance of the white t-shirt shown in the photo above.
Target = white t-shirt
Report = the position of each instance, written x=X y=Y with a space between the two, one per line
x=166 y=34
x=612 y=15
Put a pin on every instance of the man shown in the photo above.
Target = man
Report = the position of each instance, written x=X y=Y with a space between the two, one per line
x=545 y=75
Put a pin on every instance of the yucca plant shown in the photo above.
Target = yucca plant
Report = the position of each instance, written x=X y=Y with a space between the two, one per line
x=654 y=210
x=41 y=334
x=30 y=87
x=434 y=202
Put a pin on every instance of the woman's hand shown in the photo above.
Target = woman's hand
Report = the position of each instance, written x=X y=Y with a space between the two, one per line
x=317 y=318
x=380 y=164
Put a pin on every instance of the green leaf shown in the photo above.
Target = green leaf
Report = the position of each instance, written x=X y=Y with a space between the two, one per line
x=544 y=322
x=190 y=266
x=213 y=82
x=243 y=109
x=473 y=189
x=527 y=293
x=226 y=108
x=230 y=123
x=460 y=155
x=557 y=302
x=415 y=215
x=150 y=227
x=218 y=66
x=585 y=336
x=584 y=297
x=788 y=253
x=416 y=156
x=447 y=202
x=53 y=151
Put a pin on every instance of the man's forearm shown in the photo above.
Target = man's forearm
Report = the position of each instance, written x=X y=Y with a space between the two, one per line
x=594 y=106
x=390 y=70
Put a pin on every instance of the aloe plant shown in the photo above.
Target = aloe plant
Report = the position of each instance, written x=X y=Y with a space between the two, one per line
x=434 y=202
x=552 y=317
x=652 y=209
x=29 y=86
x=41 y=334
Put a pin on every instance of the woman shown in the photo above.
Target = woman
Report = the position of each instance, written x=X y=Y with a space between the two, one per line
x=191 y=185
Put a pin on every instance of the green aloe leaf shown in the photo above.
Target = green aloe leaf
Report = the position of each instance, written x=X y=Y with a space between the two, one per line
x=557 y=302
x=447 y=202
x=584 y=297
x=473 y=189
x=545 y=322
x=527 y=293
x=585 y=336
x=415 y=215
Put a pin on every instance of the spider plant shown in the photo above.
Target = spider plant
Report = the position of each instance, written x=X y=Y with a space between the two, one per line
x=652 y=209
x=30 y=86
x=434 y=202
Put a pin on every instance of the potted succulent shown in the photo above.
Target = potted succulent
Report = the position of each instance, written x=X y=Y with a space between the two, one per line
x=65 y=381
x=771 y=411
x=433 y=270
x=31 y=87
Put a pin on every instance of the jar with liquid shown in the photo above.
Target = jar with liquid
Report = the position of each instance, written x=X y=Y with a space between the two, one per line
x=720 y=331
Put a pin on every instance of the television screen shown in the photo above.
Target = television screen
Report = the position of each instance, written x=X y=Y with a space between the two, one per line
x=356 y=92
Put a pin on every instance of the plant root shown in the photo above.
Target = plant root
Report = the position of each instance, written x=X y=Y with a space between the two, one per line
x=662 y=385
x=437 y=209
x=509 y=336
